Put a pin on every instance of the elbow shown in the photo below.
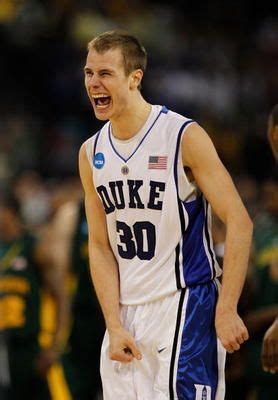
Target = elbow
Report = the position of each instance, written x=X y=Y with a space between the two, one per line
x=249 y=223
x=241 y=222
x=246 y=223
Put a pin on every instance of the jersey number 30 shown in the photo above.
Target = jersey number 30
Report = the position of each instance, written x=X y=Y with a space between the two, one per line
x=136 y=241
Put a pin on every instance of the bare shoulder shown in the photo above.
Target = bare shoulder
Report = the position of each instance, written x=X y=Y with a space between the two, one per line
x=197 y=146
x=85 y=170
x=83 y=152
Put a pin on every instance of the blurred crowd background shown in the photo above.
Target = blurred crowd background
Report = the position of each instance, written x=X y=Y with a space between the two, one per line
x=214 y=61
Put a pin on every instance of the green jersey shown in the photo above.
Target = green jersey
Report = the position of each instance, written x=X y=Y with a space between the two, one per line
x=19 y=289
x=20 y=307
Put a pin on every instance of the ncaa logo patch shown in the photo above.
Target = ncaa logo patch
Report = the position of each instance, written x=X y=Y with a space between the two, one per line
x=99 y=160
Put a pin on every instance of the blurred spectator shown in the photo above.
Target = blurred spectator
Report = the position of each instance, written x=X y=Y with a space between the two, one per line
x=258 y=319
x=34 y=199
x=25 y=270
x=266 y=224
x=215 y=61
x=269 y=348
x=270 y=341
x=70 y=253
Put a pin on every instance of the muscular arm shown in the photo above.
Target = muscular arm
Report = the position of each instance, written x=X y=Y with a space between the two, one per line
x=104 y=268
x=214 y=181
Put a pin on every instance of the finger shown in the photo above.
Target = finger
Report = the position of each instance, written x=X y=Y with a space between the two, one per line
x=240 y=339
x=236 y=346
x=232 y=346
x=264 y=355
x=228 y=347
x=134 y=350
x=264 y=349
x=121 y=356
x=270 y=355
x=242 y=336
x=245 y=335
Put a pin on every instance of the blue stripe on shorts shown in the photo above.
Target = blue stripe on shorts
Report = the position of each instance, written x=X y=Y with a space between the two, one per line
x=197 y=360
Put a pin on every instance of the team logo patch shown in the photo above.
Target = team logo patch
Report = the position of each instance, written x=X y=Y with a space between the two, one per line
x=203 y=392
x=99 y=160
x=157 y=162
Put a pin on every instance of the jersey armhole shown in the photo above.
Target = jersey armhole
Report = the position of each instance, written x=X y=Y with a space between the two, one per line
x=91 y=145
x=180 y=173
x=89 y=150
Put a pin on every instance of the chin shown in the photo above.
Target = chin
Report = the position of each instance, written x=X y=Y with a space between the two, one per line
x=102 y=117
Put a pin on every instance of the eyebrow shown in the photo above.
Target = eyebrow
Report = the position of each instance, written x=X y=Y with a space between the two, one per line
x=88 y=69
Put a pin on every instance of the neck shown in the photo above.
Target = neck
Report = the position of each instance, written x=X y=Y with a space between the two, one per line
x=132 y=119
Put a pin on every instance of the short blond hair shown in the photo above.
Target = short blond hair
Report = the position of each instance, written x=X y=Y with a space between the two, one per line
x=134 y=54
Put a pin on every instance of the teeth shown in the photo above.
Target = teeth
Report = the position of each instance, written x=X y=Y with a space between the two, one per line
x=99 y=96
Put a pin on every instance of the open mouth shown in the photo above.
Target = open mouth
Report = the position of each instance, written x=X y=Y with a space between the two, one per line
x=101 y=101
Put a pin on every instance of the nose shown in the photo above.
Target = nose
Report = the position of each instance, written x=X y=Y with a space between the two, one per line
x=94 y=82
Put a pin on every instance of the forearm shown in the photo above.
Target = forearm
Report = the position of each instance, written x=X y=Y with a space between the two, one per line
x=62 y=302
x=237 y=249
x=105 y=276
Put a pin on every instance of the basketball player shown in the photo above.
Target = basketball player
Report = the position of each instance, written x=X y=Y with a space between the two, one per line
x=70 y=254
x=24 y=272
x=150 y=246
x=270 y=342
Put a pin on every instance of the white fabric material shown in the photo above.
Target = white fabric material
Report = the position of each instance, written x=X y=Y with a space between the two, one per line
x=153 y=326
x=146 y=280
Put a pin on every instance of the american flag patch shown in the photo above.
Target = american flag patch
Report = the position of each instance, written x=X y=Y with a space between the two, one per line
x=158 y=162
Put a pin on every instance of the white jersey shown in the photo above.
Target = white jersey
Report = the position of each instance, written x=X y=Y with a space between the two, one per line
x=158 y=224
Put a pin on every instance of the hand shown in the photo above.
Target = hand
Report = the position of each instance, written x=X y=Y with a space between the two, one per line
x=270 y=349
x=230 y=329
x=45 y=360
x=123 y=347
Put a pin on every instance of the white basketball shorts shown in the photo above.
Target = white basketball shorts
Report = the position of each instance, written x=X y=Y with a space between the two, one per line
x=181 y=355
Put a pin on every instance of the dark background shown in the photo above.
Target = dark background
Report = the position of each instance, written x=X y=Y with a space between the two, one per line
x=214 y=61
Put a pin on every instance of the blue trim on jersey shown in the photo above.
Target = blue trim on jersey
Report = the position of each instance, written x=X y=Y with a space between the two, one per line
x=196 y=265
x=95 y=144
x=176 y=172
x=181 y=213
x=209 y=243
x=163 y=110
x=197 y=362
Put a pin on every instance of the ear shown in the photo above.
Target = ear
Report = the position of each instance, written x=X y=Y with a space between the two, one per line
x=135 y=78
x=275 y=133
x=273 y=140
